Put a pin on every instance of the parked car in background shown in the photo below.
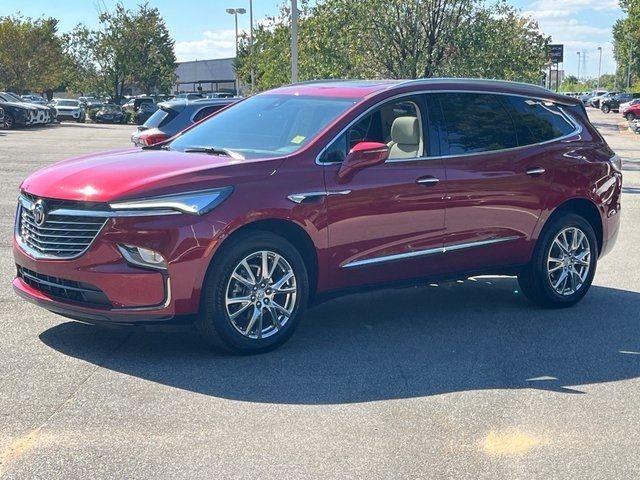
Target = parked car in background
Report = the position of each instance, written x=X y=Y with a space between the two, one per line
x=68 y=109
x=188 y=96
x=90 y=102
x=595 y=101
x=34 y=98
x=145 y=110
x=133 y=104
x=295 y=194
x=110 y=113
x=585 y=98
x=38 y=114
x=613 y=103
x=16 y=115
x=631 y=111
x=173 y=117
x=219 y=95
x=1 y=116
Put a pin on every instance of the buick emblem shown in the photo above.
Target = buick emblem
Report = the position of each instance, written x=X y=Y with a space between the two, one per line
x=39 y=213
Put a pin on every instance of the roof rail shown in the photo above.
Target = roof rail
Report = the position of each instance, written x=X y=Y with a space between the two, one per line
x=486 y=81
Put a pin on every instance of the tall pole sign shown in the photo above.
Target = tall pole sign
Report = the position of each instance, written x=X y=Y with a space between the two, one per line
x=556 y=56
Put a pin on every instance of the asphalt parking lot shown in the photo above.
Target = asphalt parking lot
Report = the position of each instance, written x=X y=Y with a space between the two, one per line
x=458 y=380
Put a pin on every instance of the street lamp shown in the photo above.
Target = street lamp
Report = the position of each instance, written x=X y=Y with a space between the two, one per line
x=578 y=66
x=235 y=12
x=599 y=66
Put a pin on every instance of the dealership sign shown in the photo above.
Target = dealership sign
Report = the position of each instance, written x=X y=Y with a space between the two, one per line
x=556 y=53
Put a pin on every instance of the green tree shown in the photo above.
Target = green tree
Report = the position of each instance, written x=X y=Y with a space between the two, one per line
x=626 y=43
x=398 y=39
x=30 y=54
x=128 y=47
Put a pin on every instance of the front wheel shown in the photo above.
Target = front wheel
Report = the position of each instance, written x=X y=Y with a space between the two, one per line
x=254 y=294
x=630 y=116
x=9 y=121
x=605 y=108
x=563 y=263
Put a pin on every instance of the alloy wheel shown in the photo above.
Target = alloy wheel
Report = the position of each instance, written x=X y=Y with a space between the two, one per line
x=261 y=294
x=569 y=261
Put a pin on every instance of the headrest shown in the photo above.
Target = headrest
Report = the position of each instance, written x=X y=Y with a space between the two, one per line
x=405 y=130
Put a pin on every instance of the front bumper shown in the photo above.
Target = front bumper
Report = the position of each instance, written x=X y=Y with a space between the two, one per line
x=135 y=295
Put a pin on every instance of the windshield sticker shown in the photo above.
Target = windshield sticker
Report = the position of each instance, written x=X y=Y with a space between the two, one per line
x=298 y=139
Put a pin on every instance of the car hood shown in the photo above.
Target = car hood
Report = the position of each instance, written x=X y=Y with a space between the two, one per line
x=24 y=106
x=65 y=107
x=134 y=173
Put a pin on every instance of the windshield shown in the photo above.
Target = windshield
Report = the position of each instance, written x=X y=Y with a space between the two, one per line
x=67 y=103
x=265 y=125
x=111 y=108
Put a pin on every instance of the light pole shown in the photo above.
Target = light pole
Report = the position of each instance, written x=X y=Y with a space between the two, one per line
x=251 y=43
x=599 y=66
x=578 y=66
x=294 y=41
x=235 y=12
x=630 y=60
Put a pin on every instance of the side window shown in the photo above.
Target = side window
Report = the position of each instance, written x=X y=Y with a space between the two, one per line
x=398 y=124
x=205 y=112
x=475 y=123
x=537 y=121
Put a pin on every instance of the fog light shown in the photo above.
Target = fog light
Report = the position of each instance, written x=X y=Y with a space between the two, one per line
x=143 y=257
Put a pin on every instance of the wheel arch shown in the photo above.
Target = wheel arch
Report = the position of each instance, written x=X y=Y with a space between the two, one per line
x=290 y=231
x=586 y=209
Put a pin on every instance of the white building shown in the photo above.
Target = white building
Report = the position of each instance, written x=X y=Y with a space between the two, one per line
x=205 y=76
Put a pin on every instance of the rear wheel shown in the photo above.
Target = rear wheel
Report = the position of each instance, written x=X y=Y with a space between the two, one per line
x=9 y=121
x=254 y=294
x=563 y=264
x=605 y=108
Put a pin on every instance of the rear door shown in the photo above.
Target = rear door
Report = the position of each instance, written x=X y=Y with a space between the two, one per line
x=499 y=166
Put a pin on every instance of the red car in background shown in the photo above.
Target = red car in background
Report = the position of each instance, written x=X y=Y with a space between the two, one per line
x=631 y=111
x=243 y=221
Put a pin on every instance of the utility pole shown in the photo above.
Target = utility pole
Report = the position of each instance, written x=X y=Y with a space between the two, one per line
x=599 y=66
x=294 y=41
x=251 y=44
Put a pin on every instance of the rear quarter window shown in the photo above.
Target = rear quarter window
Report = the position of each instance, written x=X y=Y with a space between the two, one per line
x=205 y=112
x=537 y=121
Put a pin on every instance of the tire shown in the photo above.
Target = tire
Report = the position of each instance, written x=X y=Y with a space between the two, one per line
x=630 y=116
x=214 y=320
x=9 y=121
x=605 y=108
x=536 y=281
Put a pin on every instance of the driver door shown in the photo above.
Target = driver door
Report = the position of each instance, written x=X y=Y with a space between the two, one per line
x=388 y=222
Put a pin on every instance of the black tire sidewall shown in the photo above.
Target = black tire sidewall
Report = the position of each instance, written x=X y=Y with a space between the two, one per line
x=213 y=318
x=606 y=109
x=539 y=262
x=9 y=116
x=631 y=116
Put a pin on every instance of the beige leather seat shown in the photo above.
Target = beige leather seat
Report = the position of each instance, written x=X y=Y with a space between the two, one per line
x=406 y=140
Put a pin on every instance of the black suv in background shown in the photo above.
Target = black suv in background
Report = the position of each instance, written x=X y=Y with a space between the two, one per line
x=612 y=103
x=174 y=116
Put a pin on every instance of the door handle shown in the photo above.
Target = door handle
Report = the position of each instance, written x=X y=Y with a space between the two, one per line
x=427 y=181
x=535 y=171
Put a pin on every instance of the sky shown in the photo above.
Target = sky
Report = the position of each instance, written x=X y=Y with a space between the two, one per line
x=202 y=29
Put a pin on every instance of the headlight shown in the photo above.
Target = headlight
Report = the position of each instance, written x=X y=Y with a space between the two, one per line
x=195 y=203
x=143 y=257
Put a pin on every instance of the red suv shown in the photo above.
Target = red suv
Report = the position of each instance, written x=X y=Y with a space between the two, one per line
x=241 y=222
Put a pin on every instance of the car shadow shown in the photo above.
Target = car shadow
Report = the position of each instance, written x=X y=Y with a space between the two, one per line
x=429 y=340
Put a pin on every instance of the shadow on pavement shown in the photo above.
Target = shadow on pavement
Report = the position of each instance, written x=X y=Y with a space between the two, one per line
x=392 y=344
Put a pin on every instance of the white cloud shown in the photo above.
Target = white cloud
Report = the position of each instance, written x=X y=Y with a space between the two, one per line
x=218 y=44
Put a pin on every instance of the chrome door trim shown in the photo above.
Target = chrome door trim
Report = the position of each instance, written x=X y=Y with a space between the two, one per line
x=481 y=243
x=428 y=181
x=391 y=258
x=301 y=197
x=428 y=251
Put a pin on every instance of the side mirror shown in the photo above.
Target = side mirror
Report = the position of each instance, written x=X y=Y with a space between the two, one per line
x=361 y=156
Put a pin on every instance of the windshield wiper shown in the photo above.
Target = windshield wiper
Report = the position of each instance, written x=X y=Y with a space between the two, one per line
x=215 y=151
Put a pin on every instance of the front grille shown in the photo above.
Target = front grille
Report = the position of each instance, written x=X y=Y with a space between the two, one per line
x=59 y=236
x=65 y=290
